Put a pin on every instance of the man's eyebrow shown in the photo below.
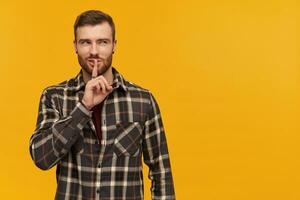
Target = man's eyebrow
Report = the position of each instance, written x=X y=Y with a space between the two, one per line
x=103 y=39
x=84 y=40
x=87 y=40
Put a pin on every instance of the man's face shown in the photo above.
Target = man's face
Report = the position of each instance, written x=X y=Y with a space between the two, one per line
x=94 y=42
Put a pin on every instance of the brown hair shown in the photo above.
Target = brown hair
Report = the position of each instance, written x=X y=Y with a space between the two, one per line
x=94 y=17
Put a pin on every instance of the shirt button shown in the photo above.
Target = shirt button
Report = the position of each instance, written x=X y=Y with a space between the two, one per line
x=99 y=165
x=98 y=190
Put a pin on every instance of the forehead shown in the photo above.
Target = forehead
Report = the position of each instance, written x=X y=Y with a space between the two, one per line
x=98 y=31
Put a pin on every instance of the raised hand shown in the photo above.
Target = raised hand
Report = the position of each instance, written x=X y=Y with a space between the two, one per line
x=96 y=89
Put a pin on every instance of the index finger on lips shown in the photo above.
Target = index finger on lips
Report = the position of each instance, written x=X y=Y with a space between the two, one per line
x=95 y=69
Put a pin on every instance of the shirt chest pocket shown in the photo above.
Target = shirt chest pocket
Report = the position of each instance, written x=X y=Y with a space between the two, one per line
x=128 y=139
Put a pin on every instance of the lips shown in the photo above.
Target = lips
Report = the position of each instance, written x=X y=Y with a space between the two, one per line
x=92 y=61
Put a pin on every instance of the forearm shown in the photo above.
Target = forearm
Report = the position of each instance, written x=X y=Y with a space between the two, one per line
x=160 y=172
x=48 y=146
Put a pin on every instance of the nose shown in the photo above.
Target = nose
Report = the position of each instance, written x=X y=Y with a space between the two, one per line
x=93 y=49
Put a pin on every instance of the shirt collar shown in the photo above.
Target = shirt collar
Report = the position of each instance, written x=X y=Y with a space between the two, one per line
x=118 y=81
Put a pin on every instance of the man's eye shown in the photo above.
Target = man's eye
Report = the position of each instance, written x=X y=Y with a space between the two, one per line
x=85 y=42
x=104 y=42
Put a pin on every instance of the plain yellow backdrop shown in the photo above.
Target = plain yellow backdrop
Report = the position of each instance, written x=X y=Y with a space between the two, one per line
x=226 y=75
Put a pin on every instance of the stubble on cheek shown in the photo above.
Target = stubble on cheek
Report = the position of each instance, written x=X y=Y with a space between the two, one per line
x=84 y=64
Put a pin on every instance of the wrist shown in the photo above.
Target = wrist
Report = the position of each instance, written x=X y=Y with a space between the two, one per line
x=85 y=105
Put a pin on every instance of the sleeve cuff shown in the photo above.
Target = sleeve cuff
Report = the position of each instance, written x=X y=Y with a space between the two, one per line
x=81 y=115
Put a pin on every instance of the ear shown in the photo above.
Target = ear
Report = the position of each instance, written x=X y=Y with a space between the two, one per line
x=75 y=46
x=114 y=46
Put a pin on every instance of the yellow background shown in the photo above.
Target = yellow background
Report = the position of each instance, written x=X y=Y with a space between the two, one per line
x=226 y=75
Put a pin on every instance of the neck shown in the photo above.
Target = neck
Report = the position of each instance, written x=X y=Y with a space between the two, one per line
x=108 y=75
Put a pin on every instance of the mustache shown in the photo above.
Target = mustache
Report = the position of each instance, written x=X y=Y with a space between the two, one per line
x=95 y=58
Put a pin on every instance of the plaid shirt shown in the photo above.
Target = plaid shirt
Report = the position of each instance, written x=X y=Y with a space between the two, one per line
x=131 y=125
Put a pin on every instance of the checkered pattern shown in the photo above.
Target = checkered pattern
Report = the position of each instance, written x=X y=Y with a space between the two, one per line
x=132 y=129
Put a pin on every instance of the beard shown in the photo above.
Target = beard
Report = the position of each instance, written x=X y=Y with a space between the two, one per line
x=103 y=66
